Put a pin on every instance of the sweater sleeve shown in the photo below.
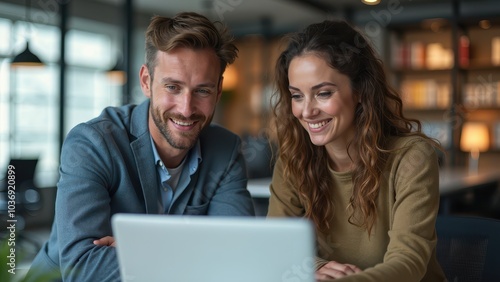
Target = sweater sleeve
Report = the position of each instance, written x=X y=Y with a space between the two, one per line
x=415 y=177
x=284 y=200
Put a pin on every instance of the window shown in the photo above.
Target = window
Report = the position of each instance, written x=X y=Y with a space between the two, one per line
x=29 y=97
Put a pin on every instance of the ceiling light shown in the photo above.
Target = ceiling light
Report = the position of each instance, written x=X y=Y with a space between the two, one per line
x=434 y=24
x=485 y=24
x=26 y=58
x=371 y=2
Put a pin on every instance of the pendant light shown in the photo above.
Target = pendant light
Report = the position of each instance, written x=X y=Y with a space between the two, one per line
x=26 y=58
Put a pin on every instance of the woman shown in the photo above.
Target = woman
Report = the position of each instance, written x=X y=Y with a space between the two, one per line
x=365 y=175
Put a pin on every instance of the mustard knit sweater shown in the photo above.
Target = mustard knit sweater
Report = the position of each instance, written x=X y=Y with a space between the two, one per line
x=403 y=240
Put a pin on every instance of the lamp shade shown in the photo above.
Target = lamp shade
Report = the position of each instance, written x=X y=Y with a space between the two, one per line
x=475 y=137
x=26 y=59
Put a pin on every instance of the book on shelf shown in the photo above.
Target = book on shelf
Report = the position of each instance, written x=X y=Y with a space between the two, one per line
x=409 y=55
x=438 y=57
x=425 y=94
x=496 y=135
x=495 y=51
x=417 y=55
x=484 y=94
x=463 y=51
x=400 y=56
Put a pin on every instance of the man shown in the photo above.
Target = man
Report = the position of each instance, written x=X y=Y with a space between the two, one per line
x=161 y=156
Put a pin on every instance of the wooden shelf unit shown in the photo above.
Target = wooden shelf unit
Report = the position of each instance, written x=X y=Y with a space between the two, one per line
x=448 y=73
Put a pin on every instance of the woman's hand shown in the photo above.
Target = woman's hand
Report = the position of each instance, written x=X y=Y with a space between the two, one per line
x=333 y=270
x=106 y=241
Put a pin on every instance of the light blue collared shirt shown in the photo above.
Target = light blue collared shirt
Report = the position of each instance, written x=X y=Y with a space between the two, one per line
x=169 y=194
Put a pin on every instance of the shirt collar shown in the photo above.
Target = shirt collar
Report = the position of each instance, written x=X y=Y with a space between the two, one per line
x=194 y=156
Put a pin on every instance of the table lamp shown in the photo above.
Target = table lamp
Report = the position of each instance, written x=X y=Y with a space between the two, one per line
x=474 y=139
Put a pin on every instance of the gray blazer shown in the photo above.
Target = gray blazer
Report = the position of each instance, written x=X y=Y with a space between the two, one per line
x=107 y=167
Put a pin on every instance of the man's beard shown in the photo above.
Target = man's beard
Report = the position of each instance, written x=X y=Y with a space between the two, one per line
x=185 y=140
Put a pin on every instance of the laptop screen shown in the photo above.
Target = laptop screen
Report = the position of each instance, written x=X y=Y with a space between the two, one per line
x=219 y=249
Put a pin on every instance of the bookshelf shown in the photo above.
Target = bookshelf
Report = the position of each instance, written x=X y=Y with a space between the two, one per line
x=448 y=72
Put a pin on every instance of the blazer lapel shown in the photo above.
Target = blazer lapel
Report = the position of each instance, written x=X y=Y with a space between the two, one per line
x=144 y=162
x=143 y=155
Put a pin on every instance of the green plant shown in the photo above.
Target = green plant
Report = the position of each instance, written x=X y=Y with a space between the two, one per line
x=7 y=262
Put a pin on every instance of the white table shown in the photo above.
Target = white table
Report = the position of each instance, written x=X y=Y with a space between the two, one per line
x=451 y=180
x=259 y=187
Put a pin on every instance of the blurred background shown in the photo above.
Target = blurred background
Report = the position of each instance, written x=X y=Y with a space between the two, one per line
x=63 y=61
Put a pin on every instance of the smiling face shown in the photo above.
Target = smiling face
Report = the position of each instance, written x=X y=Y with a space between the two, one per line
x=322 y=100
x=184 y=91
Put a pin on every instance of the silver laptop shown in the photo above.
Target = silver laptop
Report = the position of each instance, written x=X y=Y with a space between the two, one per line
x=213 y=249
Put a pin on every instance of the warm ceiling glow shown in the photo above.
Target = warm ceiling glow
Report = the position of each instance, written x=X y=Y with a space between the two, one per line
x=26 y=64
x=434 y=24
x=370 y=2
x=485 y=24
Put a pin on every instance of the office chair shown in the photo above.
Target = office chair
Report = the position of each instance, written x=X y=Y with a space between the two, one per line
x=26 y=193
x=258 y=154
x=468 y=248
